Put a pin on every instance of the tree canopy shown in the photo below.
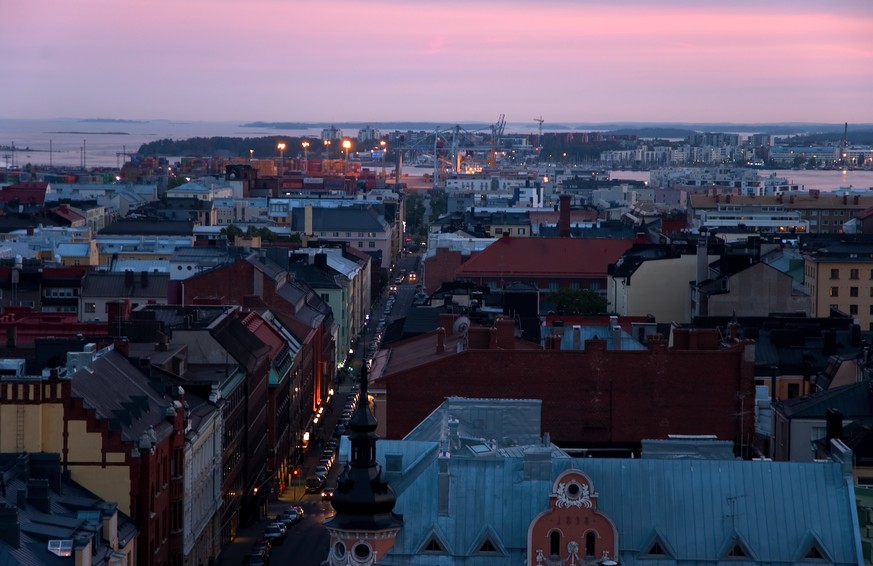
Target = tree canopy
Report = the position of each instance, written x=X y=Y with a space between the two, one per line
x=577 y=301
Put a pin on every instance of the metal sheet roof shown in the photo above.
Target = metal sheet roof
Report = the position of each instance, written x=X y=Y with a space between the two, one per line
x=696 y=506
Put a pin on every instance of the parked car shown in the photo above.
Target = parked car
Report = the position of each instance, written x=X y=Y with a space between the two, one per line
x=321 y=470
x=284 y=520
x=314 y=483
x=255 y=559
x=299 y=510
x=327 y=493
x=275 y=533
x=264 y=548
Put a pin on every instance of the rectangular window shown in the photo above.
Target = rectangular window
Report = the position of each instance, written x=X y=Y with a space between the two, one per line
x=835 y=273
x=361 y=245
x=853 y=309
x=854 y=274
x=793 y=390
x=853 y=291
x=372 y=245
x=90 y=307
x=835 y=292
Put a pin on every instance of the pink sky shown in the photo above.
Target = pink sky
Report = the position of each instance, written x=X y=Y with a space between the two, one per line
x=454 y=60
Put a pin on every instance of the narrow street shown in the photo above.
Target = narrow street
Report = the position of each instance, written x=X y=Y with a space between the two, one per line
x=307 y=542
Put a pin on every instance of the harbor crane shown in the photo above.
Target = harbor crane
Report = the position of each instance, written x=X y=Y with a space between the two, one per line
x=540 y=135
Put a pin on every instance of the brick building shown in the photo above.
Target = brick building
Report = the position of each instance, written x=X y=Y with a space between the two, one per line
x=591 y=397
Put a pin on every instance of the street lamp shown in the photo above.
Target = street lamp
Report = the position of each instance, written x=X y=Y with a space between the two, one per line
x=346 y=145
x=326 y=149
x=383 y=143
x=281 y=147
x=251 y=154
x=305 y=145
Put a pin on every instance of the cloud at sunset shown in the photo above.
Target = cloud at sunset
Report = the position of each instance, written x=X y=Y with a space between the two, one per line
x=390 y=60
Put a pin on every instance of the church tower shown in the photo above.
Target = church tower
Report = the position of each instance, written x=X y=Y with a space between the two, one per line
x=365 y=526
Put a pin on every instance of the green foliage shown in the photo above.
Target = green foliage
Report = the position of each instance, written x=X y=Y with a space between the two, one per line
x=232 y=232
x=414 y=212
x=577 y=301
x=438 y=204
x=264 y=147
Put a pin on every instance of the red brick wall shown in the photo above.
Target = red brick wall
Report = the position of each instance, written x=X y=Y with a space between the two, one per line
x=588 y=396
x=440 y=268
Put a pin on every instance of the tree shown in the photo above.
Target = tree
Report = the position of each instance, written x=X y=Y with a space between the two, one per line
x=577 y=301
x=414 y=211
x=232 y=232
x=438 y=204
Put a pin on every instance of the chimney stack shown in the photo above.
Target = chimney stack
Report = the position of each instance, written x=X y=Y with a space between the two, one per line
x=702 y=257
x=564 y=216
x=441 y=340
x=834 y=424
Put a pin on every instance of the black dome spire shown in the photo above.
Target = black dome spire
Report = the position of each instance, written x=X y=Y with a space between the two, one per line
x=363 y=500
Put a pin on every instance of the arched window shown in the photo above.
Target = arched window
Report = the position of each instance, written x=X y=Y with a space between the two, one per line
x=590 y=538
x=555 y=543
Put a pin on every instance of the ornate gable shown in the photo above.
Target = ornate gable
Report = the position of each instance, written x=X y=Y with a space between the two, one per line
x=572 y=530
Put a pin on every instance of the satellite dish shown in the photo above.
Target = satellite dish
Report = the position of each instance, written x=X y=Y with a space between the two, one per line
x=462 y=324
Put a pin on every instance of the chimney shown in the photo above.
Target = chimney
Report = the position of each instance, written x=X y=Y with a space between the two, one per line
x=830 y=342
x=10 y=528
x=446 y=322
x=702 y=257
x=855 y=199
x=564 y=217
x=616 y=337
x=441 y=340
x=144 y=279
x=38 y=494
x=307 y=220
x=505 y=333
x=321 y=261
x=128 y=279
x=834 y=424
x=577 y=338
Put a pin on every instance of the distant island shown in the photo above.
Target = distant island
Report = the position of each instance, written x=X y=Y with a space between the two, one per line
x=92 y=133
x=113 y=121
x=279 y=125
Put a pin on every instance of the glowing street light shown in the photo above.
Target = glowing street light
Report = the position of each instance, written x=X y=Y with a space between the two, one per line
x=326 y=149
x=383 y=144
x=281 y=147
x=346 y=146
x=305 y=145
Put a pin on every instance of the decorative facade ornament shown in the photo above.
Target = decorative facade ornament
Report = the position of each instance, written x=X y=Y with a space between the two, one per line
x=573 y=494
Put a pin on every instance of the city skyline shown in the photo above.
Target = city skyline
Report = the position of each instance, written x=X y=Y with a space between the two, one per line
x=581 y=61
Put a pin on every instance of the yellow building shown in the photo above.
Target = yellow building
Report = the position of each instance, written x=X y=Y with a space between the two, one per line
x=841 y=277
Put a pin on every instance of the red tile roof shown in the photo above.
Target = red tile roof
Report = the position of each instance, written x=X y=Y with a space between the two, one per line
x=24 y=193
x=545 y=257
x=266 y=333
x=64 y=212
